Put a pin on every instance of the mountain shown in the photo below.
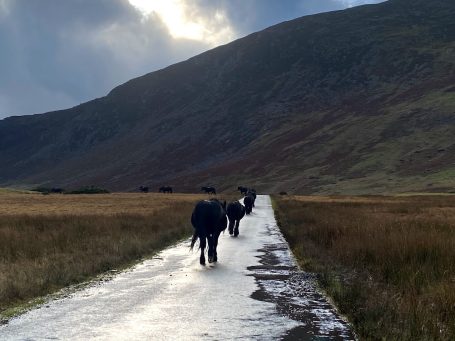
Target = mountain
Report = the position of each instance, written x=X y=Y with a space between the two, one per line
x=353 y=101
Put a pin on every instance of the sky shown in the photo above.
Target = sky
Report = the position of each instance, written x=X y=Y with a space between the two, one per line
x=56 y=54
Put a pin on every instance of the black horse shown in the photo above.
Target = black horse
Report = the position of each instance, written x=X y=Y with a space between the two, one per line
x=252 y=192
x=144 y=189
x=57 y=190
x=235 y=212
x=243 y=190
x=165 y=189
x=248 y=201
x=208 y=190
x=209 y=220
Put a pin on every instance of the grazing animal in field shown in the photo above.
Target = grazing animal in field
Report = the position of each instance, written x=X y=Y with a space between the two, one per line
x=248 y=201
x=144 y=189
x=235 y=212
x=208 y=189
x=243 y=190
x=209 y=220
x=57 y=190
x=165 y=189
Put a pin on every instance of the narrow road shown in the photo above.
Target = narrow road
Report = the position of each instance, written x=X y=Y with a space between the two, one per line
x=254 y=292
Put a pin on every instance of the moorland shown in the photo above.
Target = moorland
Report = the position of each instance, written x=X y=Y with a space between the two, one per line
x=386 y=261
x=48 y=242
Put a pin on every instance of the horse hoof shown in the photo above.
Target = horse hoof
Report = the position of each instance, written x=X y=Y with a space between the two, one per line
x=211 y=260
x=202 y=261
x=231 y=232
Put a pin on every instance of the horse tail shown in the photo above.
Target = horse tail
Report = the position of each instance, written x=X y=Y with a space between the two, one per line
x=193 y=240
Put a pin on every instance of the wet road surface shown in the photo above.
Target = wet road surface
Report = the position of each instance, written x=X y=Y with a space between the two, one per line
x=254 y=292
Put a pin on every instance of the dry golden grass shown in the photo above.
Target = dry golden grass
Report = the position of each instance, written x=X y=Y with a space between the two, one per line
x=89 y=204
x=388 y=262
x=51 y=241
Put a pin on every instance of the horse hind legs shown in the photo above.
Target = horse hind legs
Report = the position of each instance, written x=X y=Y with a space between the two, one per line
x=236 y=229
x=212 y=256
x=212 y=250
x=202 y=259
x=202 y=243
x=231 y=228
x=215 y=246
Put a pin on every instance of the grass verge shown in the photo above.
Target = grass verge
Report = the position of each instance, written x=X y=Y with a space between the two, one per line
x=43 y=252
x=387 y=262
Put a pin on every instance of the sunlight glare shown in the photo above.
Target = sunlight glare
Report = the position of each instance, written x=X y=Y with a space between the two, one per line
x=173 y=14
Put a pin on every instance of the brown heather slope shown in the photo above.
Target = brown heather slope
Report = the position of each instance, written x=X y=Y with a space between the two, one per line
x=354 y=101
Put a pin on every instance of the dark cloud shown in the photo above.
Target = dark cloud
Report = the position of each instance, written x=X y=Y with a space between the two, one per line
x=56 y=54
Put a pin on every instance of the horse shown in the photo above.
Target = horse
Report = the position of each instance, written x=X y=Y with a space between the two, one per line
x=57 y=190
x=235 y=212
x=252 y=192
x=208 y=190
x=144 y=189
x=209 y=220
x=165 y=189
x=243 y=190
x=248 y=201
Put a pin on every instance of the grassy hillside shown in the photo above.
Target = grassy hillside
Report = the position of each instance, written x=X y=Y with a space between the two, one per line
x=354 y=101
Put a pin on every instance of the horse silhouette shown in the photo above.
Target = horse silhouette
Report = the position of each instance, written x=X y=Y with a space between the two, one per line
x=208 y=189
x=165 y=189
x=248 y=201
x=252 y=192
x=243 y=190
x=235 y=212
x=57 y=190
x=144 y=189
x=209 y=220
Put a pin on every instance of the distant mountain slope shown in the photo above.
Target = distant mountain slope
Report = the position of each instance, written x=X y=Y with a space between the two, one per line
x=354 y=101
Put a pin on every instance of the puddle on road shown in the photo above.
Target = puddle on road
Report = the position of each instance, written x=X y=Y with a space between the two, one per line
x=295 y=294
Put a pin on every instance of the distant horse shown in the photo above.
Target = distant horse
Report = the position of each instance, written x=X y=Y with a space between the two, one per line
x=208 y=190
x=252 y=192
x=144 y=189
x=57 y=190
x=235 y=212
x=248 y=201
x=165 y=189
x=243 y=190
x=209 y=220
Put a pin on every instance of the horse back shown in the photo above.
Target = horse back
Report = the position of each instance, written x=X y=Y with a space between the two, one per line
x=207 y=215
x=234 y=211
